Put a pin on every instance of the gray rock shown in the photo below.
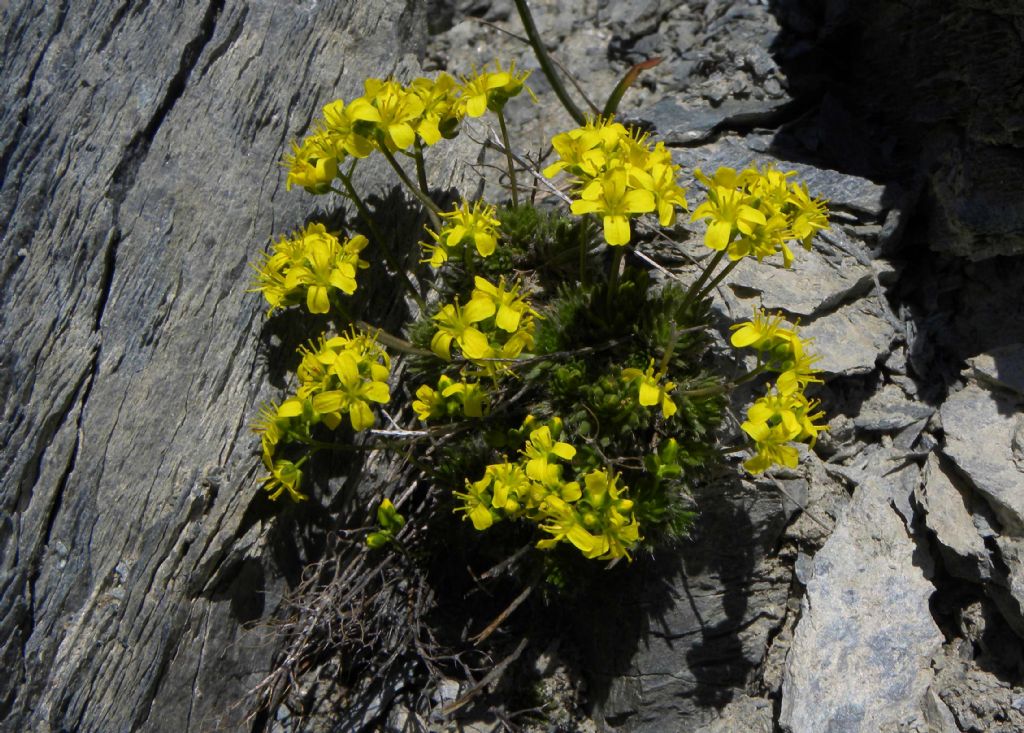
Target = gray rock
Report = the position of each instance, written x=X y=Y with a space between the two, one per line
x=851 y=340
x=689 y=121
x=1002 y=367
x=861 y=650
x=980 y=427
x=977 y=698
x=816 y=283
x=747 y=714
x=889 y=410
x=945 y=507
x=139 y=177
x=1009 y=591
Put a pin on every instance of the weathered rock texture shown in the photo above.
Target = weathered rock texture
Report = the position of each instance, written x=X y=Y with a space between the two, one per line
x=138 y=157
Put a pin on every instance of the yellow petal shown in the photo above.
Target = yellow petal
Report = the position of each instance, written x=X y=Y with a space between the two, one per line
x=717 y=236
x=361 y=416
x=474 y=344
x=328 y=401
x=616 y=230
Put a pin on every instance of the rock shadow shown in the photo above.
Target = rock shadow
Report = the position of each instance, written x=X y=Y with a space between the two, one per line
x=683 y=631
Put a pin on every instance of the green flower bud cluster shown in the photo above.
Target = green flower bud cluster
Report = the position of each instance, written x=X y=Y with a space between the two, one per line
x=390 y=522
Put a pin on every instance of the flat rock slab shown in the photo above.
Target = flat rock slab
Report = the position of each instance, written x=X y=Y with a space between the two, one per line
x=983 y=429
x=861 y=650
x=850 y=341
x=947 y=515
x=889 y=410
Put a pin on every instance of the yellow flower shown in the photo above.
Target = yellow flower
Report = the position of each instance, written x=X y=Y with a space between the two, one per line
x=490 y=89
x=650 y=392
x=392 y=111
x=312 y=165
x=507 y=305
x=352 y=394
x=760 y=333
x=340 y=128
x=477 y=503
x=540 y=452
x=284 y=476
x=473 y=397
x=668 y=194
x=808 y=215
x=430 y=403
x=440 y=115
x=476 y=223
x=611 y=196
x=456 y=324
x=774 y=421
x=730 y=213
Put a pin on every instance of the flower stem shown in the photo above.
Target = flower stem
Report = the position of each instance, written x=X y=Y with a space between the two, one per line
x=613 y=276
x=584 y=237
x=421 y=169
x=695 y=288
x=508 y=157
x=398 y=344
x=673 y=339
x=545 y=63
x=389 y=256
x=718 y=279
x=432 y=211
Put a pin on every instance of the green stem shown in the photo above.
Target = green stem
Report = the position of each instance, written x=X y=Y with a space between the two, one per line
x=394 y=342
x=389 y=256
x=432 y=211
x=545 y=63
x=718 y=279
x=421 y=169
x=508 y=157
x=613 y=276
x=750 y=375
x=695 y=288
x=705 y=391
x=584 y=237
x=672 y=340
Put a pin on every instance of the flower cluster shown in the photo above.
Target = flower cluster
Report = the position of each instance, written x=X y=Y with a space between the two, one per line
x=392 y=116
x=450 y=400
x=784 y=415
x=343 y=375
x=277 y=424
x=618 y=175
x=596 y=518
x=776 y=420
x=467 y=224
x=307 y=266
x=338 y=375
x=496 y=324
x=756 y=212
